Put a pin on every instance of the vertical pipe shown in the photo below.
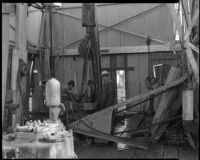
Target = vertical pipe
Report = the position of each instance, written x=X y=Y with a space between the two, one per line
x=51 y=43
x=98 y=55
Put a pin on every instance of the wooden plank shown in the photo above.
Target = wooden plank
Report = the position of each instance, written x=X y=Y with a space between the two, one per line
x=168 y=113
x=126 y=76
x=113 y=74
x=187 y=153
x=170 y=152
x=187 y=11
x=192 y=47
x=190 y=140
x=5 y=52
x=46 y=62
x=98 y=116
x=165 y=100
x=19 y=52
x=193 y=21
x=15 y=63
x=117 y=68
x=128 y=49
x=193 y=63
x=156 y=151
x=176 y=19
x=124 y=140
x=165 y=55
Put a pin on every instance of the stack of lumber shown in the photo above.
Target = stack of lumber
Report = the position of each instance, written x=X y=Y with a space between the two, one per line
x=167 y=106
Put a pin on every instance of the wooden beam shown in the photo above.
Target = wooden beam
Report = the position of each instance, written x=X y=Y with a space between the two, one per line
x=131 y=142
x=164 y=103
x=46 y=64
x=5 y=50
x=193 y=21
x=118 y=68
x=193 y=47
x=186 y=11
x=19 y=52
x=193 y=63
x=177 y=20
x=94 y=118
x=128 y=49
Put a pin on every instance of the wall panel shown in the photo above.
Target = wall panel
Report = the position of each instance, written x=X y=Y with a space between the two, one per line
x=157 y=24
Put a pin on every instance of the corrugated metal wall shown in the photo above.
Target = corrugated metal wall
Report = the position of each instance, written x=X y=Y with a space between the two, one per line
x=70 y=68
x=156 y=23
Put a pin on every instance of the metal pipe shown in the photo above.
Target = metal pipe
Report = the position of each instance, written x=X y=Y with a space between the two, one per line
x=51 y=44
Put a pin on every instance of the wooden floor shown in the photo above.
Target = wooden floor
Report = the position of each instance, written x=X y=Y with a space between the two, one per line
x=154 y=151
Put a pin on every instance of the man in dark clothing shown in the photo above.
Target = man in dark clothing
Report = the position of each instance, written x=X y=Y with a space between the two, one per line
x=108 y=95
x=68 y=93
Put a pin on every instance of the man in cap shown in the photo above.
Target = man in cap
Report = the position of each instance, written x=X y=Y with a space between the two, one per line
x=108 y=90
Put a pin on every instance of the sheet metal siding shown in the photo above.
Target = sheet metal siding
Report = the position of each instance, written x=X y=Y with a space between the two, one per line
x=158 y=24
x=72 y=70
x=33 y=26
x=137 y=77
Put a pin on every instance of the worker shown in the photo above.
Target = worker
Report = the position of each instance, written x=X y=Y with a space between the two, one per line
x=108 y=90
x=68 y=93
x=70 y=101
